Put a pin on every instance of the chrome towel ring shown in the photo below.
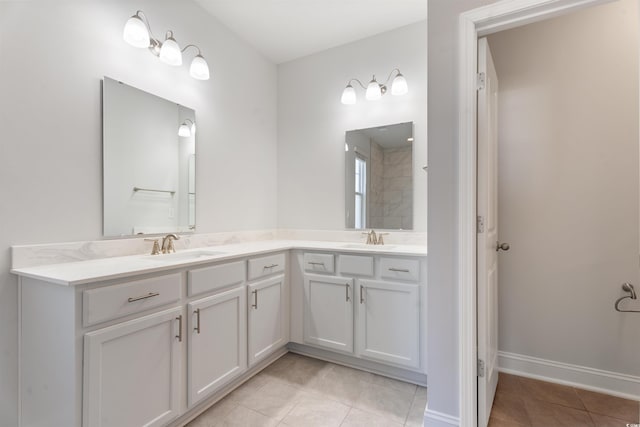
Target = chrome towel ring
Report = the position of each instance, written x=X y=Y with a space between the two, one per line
x=627 y=287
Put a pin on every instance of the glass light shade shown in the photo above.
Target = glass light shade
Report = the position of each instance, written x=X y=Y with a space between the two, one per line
x=399 y=85
x=373 y=91
x=135 y=32
x=193 y=128
x=199 y=68
x=184 y=131
x=348 y=95
x=170 y=52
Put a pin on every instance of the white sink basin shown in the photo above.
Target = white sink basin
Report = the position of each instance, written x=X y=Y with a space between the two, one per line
x=183 y=256
x=365 y=246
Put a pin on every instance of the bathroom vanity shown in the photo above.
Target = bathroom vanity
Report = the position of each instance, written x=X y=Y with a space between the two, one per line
x=155 y=340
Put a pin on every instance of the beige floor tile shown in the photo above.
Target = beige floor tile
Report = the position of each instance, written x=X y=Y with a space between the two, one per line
x=299 y=372
x=275 y=399
x=421 y=392
x=386 y=402
x=394 y=384
x=339 y=385
x=316 y=411
x=215 y=413
x=248 y=387
x=544 y=414
x=244 y=417
x=551 y=393
x=510 y=408
x=416 y=413
x=359 y=418
x=610 y=406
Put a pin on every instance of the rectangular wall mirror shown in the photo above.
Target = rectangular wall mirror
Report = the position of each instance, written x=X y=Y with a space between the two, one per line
x=148 y=162
x=379 y=177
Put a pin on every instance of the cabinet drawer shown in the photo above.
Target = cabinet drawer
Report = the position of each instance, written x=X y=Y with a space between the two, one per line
x=319 y=263
x=266 y=265
x=111 y=302
x=356 y=265
x=398 y=268
x=216 y=277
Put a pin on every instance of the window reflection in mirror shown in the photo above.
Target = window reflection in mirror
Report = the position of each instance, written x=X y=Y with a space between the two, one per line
x=379 y=177
x=149 y=169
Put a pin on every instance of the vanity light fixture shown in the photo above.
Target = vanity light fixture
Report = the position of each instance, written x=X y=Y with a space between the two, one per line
x=375 y=90
x=137 y=32
x=185 y=130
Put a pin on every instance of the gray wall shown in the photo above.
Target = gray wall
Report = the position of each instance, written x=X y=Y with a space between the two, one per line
x=54 y=55
x=568 y=186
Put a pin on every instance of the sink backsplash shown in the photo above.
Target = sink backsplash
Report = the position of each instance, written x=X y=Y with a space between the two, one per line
x=23 y=256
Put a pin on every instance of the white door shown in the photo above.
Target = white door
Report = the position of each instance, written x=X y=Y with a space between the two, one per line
x=266 y=318
x=328 y=314
x=132 y=372
x=217 y=342
x=487 y=280
x=389 y=322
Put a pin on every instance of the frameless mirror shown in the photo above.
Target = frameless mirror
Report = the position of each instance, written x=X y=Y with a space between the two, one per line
x=379 y=177
x=148 y=162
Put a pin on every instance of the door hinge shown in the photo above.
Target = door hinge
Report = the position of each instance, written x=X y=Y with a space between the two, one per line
x=480 y=224
x=480 y=368
x=481 y=82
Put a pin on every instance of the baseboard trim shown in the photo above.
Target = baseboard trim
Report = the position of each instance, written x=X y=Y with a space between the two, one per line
x=439 y=419
x=613 y=383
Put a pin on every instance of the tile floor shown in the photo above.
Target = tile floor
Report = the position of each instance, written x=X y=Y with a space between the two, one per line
x=521 y=402
x=303 y=392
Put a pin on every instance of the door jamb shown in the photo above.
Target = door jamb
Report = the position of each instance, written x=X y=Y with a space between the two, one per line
x=499 y=16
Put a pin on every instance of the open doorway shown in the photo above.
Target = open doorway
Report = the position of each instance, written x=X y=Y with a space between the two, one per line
x=483 y=22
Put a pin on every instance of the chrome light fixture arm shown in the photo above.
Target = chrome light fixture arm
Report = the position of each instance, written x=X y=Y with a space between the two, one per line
x=391 y=74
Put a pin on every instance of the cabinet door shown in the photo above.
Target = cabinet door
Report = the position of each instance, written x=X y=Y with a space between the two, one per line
x=388 y=322
x=217 y=342
x=266 y=318
x=328 y=314
x=132 y=372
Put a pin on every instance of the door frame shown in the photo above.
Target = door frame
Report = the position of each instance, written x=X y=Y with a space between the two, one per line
x=499 y=16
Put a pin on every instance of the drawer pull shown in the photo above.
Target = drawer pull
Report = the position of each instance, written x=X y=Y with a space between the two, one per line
x=270 y=266
x=347 y=290
x=400 y=270
x=316 y=263
x=255 y=299
x=197 y=313
x=361 y=294
x=179 y=336
x=149 y=295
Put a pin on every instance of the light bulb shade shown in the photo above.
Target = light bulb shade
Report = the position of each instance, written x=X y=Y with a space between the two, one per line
x=184 y=131
x=170 y=52
x=135 y=32
x=373 y=91
x=399 y=85
x=193 y=128
x=348 y=95
x=199 y=68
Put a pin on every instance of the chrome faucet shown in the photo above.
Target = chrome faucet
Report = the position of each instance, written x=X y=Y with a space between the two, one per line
x=167 y=243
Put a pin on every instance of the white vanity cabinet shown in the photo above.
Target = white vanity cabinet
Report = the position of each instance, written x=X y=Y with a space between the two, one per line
x=140 y=357
x=328 y=312
x=268 y=303
x=365 y=306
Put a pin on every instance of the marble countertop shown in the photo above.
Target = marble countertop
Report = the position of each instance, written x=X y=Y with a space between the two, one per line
x=88 y=271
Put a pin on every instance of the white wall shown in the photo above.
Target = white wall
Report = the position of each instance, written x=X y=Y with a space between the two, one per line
x=568 y=186
x=312 y=123
x=53 y=57
x=442 y=298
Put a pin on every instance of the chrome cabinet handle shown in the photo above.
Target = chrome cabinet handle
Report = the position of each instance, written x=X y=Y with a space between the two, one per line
x=347 y=291
x=316 y=263
x=502 y=246
x=179 y=336
x=400 y=270
x=255 y=299
x=149 y=295
x=361 y=294
x=197 y=313
x=270 y=266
